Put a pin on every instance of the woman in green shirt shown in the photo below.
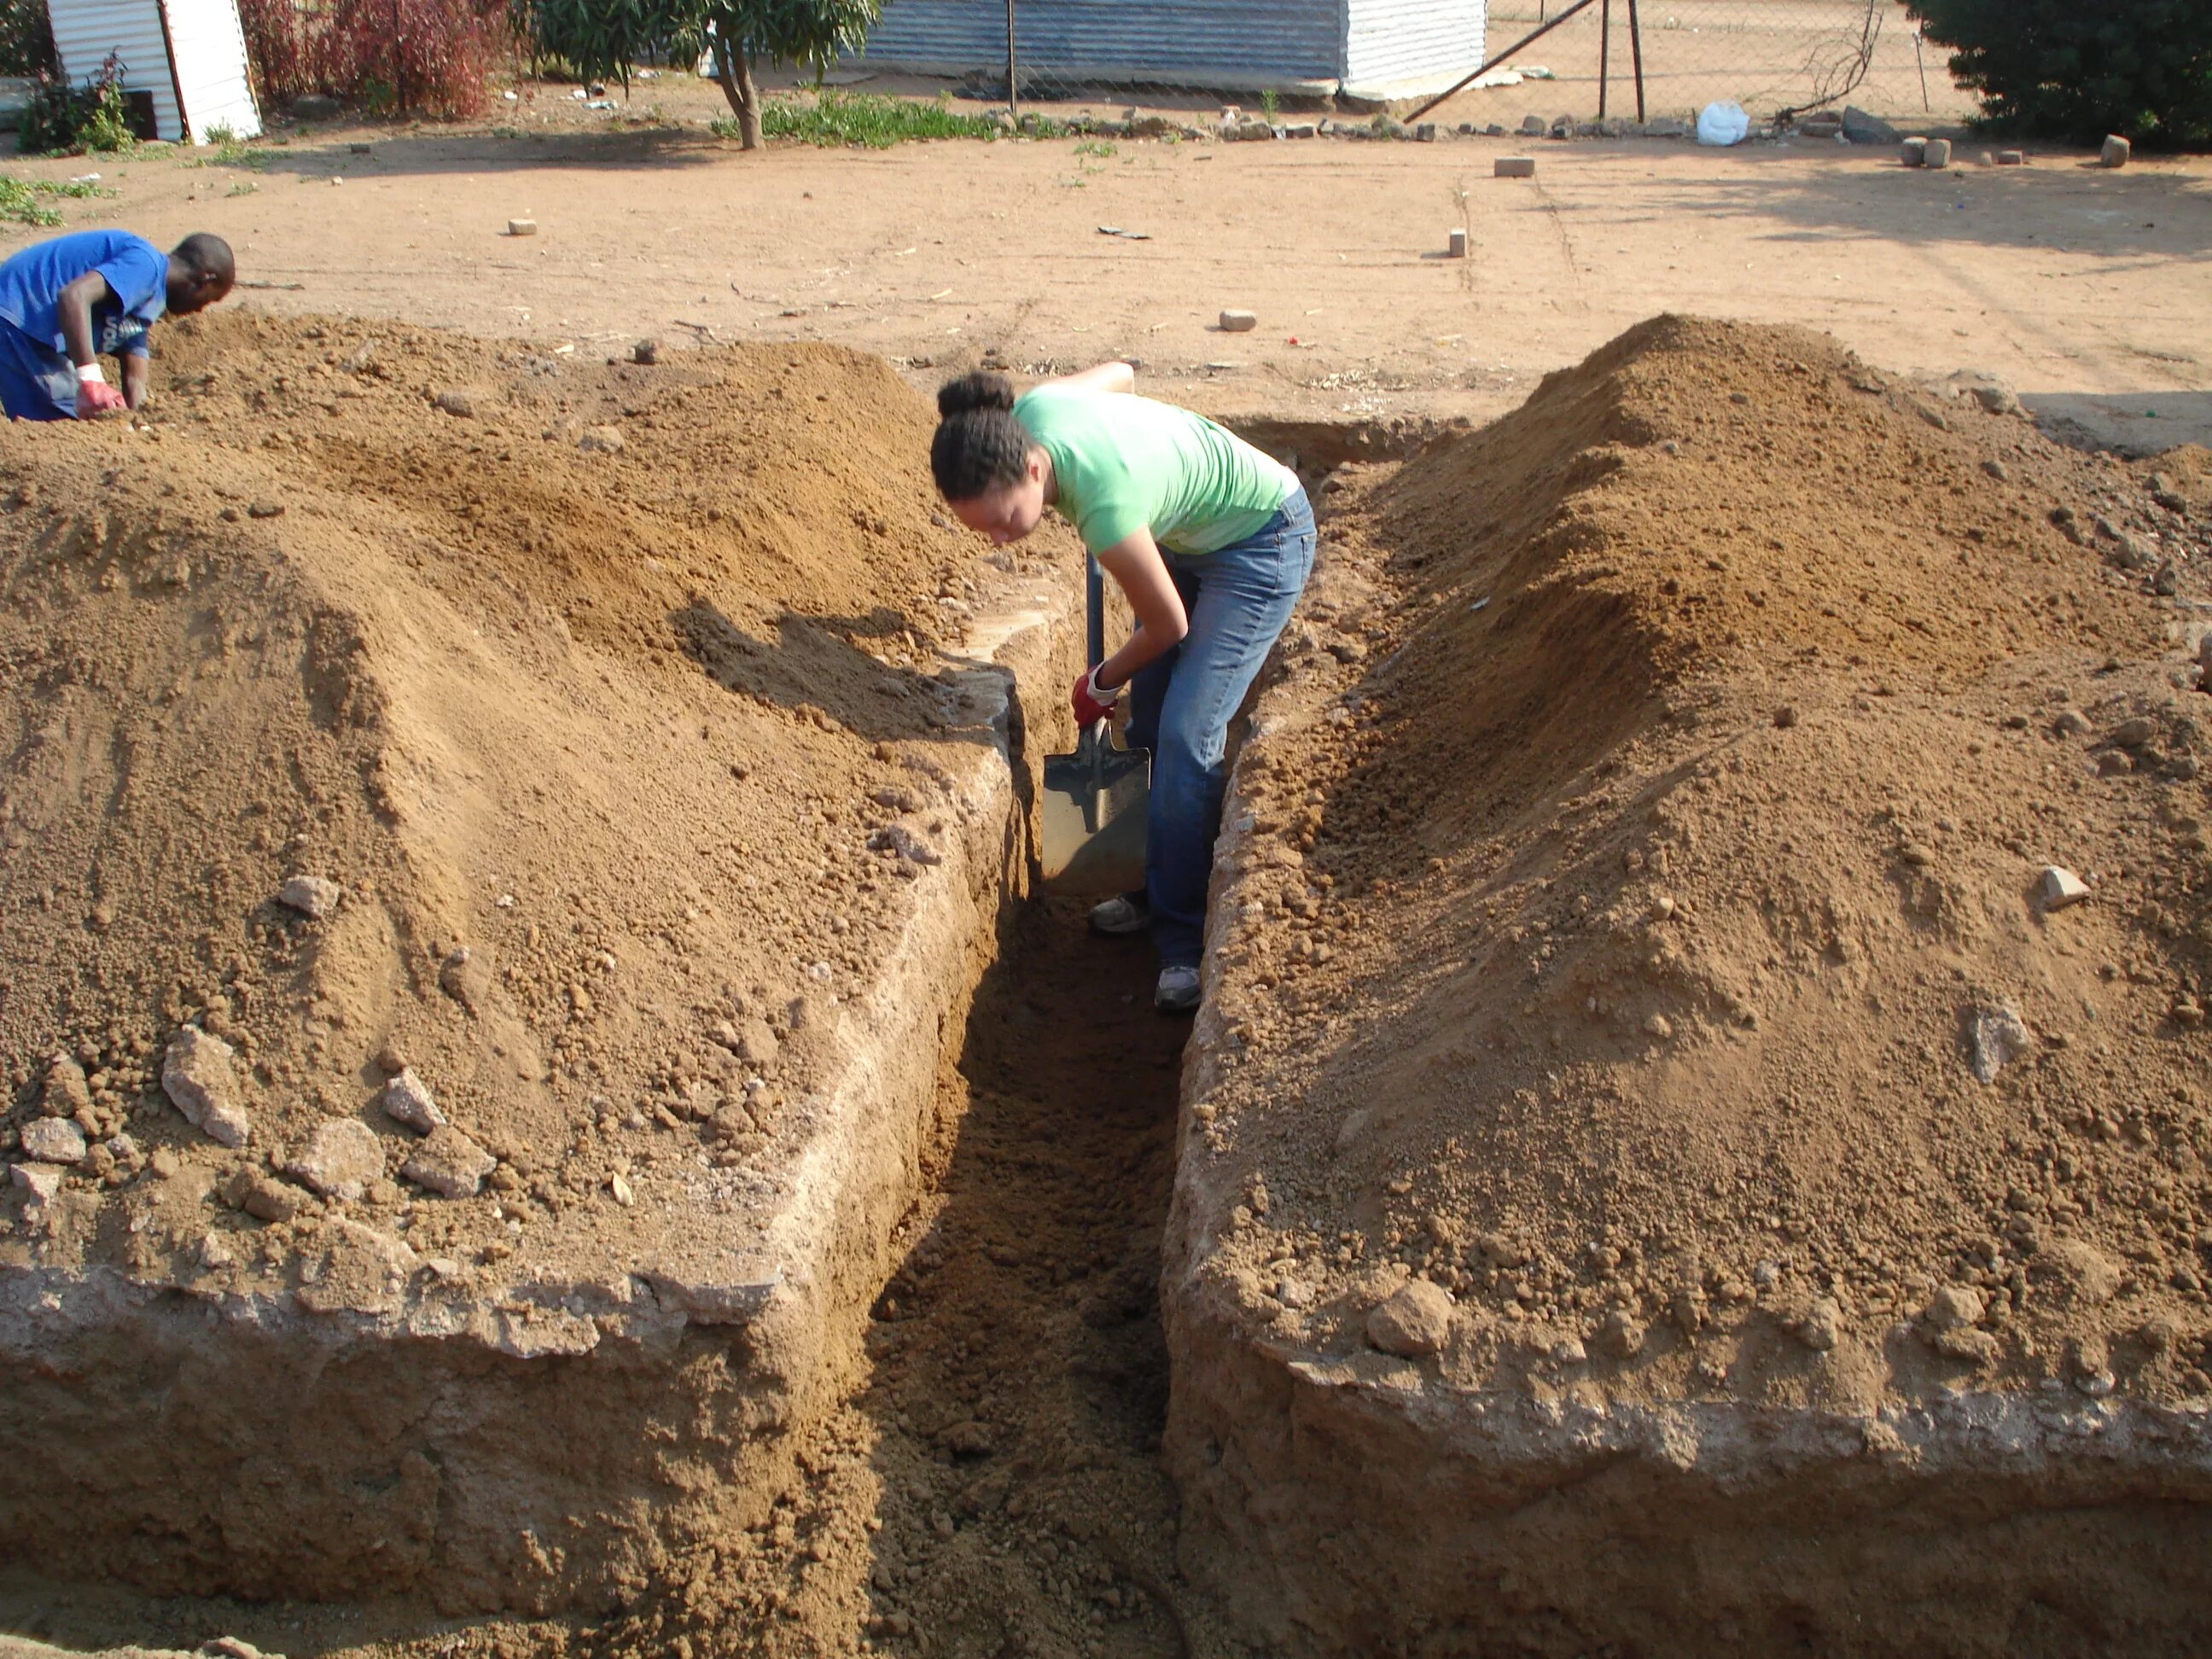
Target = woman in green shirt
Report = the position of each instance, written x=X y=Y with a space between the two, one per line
x=1211 y=540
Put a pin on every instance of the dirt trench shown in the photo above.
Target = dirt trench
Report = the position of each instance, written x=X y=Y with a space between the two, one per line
x=993 y=1486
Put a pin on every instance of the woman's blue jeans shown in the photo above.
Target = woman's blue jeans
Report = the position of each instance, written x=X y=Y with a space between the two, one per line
x=1181 y=703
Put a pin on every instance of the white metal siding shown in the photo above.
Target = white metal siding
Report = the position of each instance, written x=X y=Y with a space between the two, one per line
x=86 y=31
x=210 y=59
x=1405 y=43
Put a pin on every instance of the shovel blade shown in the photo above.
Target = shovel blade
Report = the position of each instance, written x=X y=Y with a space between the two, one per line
x=1093 y=819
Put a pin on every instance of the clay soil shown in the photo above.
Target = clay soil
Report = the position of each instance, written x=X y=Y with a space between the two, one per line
x=1642 y=938
x=990 y=1485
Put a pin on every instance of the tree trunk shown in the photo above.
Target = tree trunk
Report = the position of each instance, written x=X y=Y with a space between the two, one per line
x=735 y=71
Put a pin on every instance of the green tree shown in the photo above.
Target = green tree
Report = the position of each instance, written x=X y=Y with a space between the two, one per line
x=2078 y=69
x=604 y=37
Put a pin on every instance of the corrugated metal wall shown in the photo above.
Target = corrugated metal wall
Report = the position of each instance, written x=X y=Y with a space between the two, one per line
x=209 y=48
x=1422 y=42
x=86 y=31
x=1241 y=41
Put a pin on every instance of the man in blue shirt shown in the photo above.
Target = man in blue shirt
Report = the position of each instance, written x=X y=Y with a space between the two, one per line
x=65 y=302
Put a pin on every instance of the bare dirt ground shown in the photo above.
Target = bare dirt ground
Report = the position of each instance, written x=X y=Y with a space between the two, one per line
x=993 y=1487
x=2085 y=289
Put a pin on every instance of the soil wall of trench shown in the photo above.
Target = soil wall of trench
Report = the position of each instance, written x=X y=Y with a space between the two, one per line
x=552 y=1449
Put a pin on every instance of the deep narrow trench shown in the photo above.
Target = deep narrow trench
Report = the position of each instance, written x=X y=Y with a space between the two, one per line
x=993 y=1487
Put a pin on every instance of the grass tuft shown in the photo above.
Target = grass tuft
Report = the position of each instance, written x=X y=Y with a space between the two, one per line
x=25 y=204
x=870 y=119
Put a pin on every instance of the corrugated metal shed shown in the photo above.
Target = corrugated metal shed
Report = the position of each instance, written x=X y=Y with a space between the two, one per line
x=1395 y=44
x=189 y=55
x=1233 y=41
x=1238 y=43
x=85 y=33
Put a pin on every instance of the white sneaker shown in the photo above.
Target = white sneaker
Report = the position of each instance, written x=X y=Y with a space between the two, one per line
x=1120 y=915
x=1177 y=991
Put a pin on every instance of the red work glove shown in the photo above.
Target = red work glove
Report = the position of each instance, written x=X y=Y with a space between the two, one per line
x=96 y=398
x=1092 y=704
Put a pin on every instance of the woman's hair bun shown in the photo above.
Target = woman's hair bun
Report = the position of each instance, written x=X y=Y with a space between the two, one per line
x=979 y=390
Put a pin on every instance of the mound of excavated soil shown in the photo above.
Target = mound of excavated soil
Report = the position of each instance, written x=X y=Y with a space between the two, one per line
x=1639 y=936
x=603 y=698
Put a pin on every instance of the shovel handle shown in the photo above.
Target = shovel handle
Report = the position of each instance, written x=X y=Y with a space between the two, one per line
x=1094 y=609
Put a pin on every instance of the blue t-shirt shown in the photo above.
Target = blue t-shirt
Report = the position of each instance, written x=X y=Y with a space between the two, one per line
x=137 y=272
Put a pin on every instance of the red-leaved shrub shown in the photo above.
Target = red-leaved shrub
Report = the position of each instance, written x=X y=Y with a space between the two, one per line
x=408 y=56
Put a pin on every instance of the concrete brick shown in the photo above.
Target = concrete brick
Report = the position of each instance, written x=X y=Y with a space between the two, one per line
x=1913 y=152
x=1938 y=154
x=1514 y=166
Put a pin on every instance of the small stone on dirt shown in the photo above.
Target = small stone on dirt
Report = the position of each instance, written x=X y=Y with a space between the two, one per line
x=407 y=1099
x=53 y=1140
x=197 y=1075
x=620 y=1190
x=646 y=353
x=457 y=403
x=341 y=1159
x=2058 y=887
x=43 y=1181
x=449 y=1164
x=1995 y=1037
x=602 y=440
x=67 y=1093
x=1620 y=1335
x=1954 y=1305
x=310 y=896
x=1821 y=1326
x=1239 y=322
x=1412 y=1320
x=268 y=1199
x=522 y=227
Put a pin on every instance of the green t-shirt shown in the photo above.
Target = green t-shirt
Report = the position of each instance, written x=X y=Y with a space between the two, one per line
x=1124 y=464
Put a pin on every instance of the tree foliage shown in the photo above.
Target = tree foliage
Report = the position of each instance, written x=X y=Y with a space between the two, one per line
x=604 y=37
x=2079 y=69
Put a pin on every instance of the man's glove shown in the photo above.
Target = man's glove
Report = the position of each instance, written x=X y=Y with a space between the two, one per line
x=93 y=394
x=1092 y=701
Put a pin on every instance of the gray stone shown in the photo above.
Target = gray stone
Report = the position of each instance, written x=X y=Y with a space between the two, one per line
x=2116 y=152
x=456 y=403
x=315 y=106
x=1533 y=127
x=602 y=440
x=340 y=1160
x=41 y=1182
x=449 y=1164
x=2011 y=158
x=407 y=1099
x=1514 y=166
x=646 y=353
x=1425 y=133
x=1239 y=322
x=1667 y=126
x=1913 y=152
x=522 y=227
x=197 y=1077
x=1995 y=1037
x=1996 y=396
x=2167 y=581
x=1937 y=153
x=53 y=1140
x=310 y=896
x=2057 y=887
x=1413 y=1320
x=1861 y=128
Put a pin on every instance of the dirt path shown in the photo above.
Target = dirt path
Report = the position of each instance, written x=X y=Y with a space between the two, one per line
x=2083 y=288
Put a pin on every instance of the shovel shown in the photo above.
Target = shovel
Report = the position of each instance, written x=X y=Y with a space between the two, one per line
x=1094 y=799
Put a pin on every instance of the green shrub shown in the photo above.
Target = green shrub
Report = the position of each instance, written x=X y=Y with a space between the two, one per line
x=59 y=119
x=2080 y=69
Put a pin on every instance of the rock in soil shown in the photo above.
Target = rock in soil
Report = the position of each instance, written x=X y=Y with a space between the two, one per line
x=197 y=1076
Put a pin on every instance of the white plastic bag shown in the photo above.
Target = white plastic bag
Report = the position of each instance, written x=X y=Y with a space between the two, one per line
x=1723 y=124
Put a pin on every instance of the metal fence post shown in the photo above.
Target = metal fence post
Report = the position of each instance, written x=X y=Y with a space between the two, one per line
x=1013 y=85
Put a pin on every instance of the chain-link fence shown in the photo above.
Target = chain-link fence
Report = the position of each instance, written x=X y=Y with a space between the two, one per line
x=1620 y=58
